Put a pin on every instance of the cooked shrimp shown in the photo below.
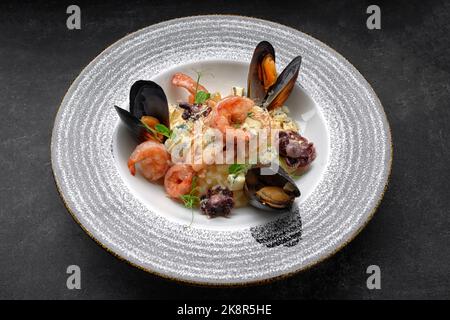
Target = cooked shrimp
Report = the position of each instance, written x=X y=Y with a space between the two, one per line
x=229 y=112
x=178 y=180
x=184 y=81
x=211 y=103
x=153 y=160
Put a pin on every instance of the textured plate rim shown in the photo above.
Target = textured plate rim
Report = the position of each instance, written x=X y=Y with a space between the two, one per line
x=351 y=235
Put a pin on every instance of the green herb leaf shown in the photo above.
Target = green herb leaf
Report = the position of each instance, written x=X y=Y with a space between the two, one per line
x=199 y=75
x=150 y=130
x=201 y=97
x=237 y=168
x=194 y=185
x=250 y=114
x=162 y=129
x=190 y=201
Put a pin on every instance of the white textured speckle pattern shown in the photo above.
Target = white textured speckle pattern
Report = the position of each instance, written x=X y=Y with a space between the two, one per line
x=352 y=185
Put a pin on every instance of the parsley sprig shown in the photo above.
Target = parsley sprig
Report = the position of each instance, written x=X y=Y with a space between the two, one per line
x=191 y=199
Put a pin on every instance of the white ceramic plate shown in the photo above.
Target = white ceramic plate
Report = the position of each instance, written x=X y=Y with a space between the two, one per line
x=334 y=105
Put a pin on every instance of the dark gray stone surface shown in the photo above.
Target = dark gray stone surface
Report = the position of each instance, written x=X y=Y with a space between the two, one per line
x=407 y=63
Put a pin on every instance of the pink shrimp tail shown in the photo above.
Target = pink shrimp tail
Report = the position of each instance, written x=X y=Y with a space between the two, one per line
x=132 y=167
x=184 y=81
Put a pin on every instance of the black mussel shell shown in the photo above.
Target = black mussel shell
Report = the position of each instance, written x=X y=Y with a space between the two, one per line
x=255 y=85
x=282 y=88
x=148 y=99
x=279 y=180
x=133 y=124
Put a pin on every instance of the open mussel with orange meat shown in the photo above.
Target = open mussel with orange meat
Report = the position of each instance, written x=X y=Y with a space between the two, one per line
x=148 y=107
x=264 y=86
x=270 y=190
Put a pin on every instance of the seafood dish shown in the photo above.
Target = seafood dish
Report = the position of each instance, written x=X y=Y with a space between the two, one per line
x=221 y=150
